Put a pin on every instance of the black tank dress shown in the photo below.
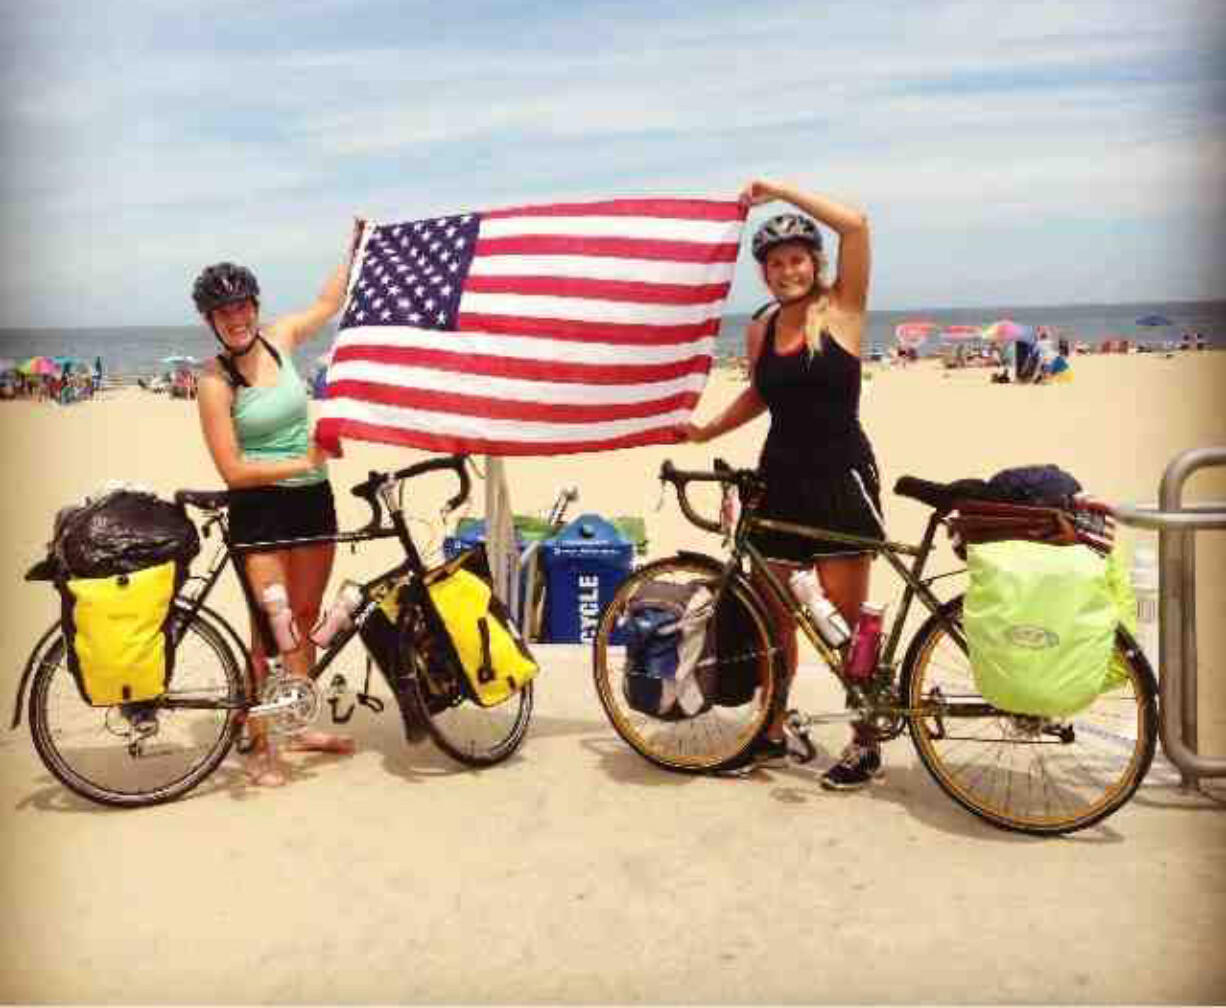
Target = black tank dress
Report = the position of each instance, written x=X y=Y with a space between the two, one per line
x=817 y=460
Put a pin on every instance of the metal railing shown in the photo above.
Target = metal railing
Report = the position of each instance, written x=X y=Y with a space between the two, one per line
x=1177 y=526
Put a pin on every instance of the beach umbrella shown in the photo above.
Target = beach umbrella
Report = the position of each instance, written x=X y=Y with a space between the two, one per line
x=7 y=364
x=1153 y=320
x=1008 y=331
x=912 y=334
x=39 y=366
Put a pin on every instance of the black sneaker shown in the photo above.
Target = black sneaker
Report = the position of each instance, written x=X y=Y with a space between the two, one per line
x=858 y=766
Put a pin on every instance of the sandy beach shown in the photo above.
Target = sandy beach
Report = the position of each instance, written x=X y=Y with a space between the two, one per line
x=577 y=873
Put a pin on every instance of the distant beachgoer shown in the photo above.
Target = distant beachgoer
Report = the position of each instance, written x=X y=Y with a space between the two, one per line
x=254 y=414
x=805 y=362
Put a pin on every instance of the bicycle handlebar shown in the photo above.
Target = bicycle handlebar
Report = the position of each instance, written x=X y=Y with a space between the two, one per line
x=747 y=482
x=368 y=489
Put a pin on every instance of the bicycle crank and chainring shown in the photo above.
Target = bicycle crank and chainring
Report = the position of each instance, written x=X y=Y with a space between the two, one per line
x=288 y=703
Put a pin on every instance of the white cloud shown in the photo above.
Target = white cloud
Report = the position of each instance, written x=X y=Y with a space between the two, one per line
x=1061 y=116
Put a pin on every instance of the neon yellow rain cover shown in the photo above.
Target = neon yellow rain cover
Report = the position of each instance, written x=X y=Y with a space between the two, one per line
x=1040 y=624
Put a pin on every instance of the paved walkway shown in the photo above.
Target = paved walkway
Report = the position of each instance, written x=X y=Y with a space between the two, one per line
x=578 y=873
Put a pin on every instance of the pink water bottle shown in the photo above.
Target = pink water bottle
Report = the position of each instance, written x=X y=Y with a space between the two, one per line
x=865 y=643
x=339 y=615
x=281 y=618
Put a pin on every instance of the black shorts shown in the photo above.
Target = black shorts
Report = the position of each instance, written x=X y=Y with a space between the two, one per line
x=276 y=513
x=843 y=500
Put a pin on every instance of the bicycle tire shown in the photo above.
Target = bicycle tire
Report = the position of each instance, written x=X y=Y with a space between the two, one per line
x=1030 y=775
x=719 y=738
x=87 y=748
x=433 y=696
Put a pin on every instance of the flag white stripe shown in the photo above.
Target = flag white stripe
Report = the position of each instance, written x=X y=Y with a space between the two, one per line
x=662 y=228
x=601 y=268
x=513 y=389
x=524 y=347
x=586 y=309
x=481 y=428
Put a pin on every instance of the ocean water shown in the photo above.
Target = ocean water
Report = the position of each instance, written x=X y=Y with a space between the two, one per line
x=140 y=350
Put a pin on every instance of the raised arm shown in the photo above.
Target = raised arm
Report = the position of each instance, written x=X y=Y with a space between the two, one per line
x=850 y=288
x=295 y=328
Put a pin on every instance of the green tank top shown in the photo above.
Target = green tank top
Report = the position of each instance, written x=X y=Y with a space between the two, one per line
x=273 y=422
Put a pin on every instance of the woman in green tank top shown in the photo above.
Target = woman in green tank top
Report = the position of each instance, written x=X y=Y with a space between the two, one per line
x=254 y=414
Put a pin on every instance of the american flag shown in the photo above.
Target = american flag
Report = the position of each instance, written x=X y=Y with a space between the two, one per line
x=535 y=330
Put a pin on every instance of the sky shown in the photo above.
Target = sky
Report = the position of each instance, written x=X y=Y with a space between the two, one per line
x=1007 y=153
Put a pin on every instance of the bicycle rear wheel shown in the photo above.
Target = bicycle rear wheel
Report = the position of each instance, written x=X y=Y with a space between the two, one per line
x=1022 y=773
x=139 y=754
x=721 y=736
x=435 y=697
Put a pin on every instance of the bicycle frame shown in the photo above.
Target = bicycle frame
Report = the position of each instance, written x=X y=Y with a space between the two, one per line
x=915 y=583
x=377 y=489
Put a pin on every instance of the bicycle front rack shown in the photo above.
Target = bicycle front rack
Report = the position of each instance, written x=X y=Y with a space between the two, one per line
x=1177 y=526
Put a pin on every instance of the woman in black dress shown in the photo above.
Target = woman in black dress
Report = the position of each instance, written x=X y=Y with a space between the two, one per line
x=804 y=354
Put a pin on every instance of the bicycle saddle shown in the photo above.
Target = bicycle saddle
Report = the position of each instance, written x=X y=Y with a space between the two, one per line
x=943 y=496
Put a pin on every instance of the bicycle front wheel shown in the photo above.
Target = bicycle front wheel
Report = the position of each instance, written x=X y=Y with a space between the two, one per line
x=144 y=753
x=434 y=697
x=1025 y=773
x=721 y=736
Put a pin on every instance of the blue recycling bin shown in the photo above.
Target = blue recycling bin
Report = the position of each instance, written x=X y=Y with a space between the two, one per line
x=584 y=565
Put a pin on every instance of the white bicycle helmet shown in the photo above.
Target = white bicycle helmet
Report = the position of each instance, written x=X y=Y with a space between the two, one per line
x=785 y=228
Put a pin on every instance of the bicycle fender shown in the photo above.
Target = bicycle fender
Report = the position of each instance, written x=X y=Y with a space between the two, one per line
x=31 y=662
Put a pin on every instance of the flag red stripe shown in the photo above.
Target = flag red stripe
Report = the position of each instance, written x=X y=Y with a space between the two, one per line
x=679 y=209
x=621 y=333
x=456 y=403
x=604 y=290
x=330 y=428
x=620 y=248
x=492 y=366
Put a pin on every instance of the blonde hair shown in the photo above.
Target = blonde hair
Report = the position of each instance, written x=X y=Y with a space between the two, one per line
x=816 y=313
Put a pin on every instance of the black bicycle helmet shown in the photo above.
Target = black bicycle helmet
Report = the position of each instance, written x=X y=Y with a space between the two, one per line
x=785 y=228
x=222 y=284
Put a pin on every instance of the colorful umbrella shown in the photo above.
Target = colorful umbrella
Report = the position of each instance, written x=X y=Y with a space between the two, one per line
x=39 y=366
x=912 y=334
x=1008 y=331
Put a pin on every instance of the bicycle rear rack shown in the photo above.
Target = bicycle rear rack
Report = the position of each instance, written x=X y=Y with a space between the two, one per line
x=1177 y=526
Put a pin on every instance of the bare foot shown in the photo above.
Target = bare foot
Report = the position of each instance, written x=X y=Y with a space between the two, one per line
x=262 y=770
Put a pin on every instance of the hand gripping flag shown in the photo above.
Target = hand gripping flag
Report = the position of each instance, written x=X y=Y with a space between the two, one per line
x=537 y=330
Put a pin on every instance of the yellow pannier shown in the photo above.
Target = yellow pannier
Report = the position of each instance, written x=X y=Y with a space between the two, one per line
x=488 y=645
x=118 y=633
